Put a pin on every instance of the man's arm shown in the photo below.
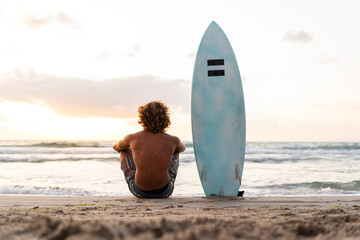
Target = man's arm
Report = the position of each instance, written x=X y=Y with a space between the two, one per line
x=180 y=147
x=122 y=144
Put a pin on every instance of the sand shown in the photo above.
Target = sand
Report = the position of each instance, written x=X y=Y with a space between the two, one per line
x=63 y=217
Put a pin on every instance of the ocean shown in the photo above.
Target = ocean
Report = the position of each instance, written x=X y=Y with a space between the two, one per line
x=92 y=168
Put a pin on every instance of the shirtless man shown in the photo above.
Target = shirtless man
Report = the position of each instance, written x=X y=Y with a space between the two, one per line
x=150 y=158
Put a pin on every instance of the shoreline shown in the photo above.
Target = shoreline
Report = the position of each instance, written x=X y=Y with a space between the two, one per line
x=71 y=217
x=25 y=200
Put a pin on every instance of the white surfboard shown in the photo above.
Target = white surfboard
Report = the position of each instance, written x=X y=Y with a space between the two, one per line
x=218 y=115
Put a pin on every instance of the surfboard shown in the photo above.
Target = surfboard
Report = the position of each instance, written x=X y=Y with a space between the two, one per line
x=218 y=115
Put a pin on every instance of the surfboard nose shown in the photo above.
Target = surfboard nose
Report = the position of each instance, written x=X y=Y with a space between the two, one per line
x=214 y=30
x=213 y=24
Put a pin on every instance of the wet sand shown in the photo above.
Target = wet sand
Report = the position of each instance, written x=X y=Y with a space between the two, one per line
x=62 y=217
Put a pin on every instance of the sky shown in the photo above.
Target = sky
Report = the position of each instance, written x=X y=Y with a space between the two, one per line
x=79 y=69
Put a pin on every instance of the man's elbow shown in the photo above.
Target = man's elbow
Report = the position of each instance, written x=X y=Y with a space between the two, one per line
x=116 y=147
x=184 y=148
x=181 y=149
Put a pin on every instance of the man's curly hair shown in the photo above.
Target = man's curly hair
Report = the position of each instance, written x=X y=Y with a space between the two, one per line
x=154 y=117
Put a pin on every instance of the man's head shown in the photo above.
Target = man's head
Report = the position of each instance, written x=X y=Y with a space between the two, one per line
x=154 y=117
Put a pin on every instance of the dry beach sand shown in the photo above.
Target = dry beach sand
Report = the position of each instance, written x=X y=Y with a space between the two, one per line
x=62 y=217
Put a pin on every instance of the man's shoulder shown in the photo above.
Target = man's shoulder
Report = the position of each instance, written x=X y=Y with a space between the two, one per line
x=163 y=135
x=137 y=134
x=132 y=136
x=172 y=137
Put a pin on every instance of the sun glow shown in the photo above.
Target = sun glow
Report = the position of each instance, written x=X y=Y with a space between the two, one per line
x=31 y=121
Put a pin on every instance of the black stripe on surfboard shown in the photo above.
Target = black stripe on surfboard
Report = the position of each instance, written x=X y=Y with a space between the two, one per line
x=215 y=62
x=215 y=73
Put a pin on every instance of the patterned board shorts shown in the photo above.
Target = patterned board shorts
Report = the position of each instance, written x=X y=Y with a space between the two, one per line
x=129 y=168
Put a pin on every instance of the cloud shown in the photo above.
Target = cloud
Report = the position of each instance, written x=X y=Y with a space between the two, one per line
x=103 y=55
x=117 y=97
x=65 y=19
x=12 y=48
x=192 y=55
x=135 y=50
x=327 y=59
x=36 y=22
x=298 y=37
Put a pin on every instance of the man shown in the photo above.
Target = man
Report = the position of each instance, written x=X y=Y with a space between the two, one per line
x=150 y=158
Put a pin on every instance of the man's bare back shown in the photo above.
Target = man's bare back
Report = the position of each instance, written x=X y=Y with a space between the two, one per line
x=152 y=154
x=150 y=158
